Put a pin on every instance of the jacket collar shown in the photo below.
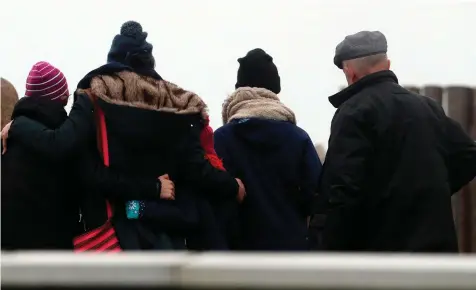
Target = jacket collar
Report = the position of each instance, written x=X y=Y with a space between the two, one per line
x=50 y=113
x=369 y=80
x=110 y=69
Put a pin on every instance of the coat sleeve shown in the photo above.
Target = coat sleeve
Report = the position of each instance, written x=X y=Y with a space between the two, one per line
x=310 y=172
x=461 y=155
x=96 y=177
x=199 y=171
x=222 y=152
x=460 y=149
x=343 y=178
x=62 y=142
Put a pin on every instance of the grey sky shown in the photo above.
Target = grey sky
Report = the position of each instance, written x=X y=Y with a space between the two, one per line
x=197 y=42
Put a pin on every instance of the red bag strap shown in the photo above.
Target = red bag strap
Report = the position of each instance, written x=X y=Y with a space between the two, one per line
x=102 y=142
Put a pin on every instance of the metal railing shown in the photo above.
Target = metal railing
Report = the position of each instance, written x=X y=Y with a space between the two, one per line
x=146 y=270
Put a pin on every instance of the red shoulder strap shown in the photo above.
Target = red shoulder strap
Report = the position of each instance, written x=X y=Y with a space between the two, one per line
x=101 y=132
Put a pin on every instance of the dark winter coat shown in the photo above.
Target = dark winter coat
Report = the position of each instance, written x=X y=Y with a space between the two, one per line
x=394 y=159
x=153 y=129
x=39 y=199
x=277 y=162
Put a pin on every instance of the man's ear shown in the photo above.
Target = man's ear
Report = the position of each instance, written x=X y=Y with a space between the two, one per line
x=345 y=69
x=349 y=74
x=388 y=64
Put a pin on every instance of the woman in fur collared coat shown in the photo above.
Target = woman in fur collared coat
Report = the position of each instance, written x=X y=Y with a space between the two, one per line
x=153 y=129
x=261 y=144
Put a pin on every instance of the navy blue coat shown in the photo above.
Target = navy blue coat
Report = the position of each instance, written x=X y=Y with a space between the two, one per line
x=280 y=168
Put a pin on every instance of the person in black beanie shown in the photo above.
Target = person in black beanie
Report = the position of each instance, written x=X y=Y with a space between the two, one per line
x=258 y=70
x=129 y=51
x=131 y=45
x=261 y=144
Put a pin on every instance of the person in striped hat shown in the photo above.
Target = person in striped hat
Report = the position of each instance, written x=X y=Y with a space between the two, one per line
x=38 y=201
x=47 y=82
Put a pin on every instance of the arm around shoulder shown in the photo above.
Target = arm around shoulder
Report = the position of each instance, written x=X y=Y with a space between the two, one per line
x=201 y=172
x=62 y=142
x=94 y=175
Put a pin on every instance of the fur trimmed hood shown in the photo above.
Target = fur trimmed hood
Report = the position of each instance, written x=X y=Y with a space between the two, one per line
x=128 y=88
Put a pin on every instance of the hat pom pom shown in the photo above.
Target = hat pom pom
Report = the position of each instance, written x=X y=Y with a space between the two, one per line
x=132 y=29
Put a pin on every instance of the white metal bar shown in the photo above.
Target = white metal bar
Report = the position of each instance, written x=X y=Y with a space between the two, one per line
x=246 y=271
x=68 y=269
x=331 y=271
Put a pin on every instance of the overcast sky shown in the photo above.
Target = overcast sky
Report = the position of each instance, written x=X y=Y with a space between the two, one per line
x=197 y=42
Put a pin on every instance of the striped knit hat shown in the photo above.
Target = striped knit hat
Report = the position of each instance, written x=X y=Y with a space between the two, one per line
x=46 y=81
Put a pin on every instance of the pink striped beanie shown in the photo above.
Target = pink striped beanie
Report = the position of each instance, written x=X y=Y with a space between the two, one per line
x=46 y=81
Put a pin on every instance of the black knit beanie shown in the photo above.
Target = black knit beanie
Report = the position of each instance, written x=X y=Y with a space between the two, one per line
x=258 y=70
x=131 y=40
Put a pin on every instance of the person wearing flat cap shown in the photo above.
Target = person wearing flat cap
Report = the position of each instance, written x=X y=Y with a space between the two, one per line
x=394 y=159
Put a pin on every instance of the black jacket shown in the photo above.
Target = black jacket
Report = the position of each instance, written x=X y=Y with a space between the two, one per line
x=75 y=141
x=393 y=162
x=153 y=128
x=39 y=199
x=147 y=143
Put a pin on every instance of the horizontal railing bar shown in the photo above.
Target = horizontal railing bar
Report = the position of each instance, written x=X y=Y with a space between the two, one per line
x=240 y=270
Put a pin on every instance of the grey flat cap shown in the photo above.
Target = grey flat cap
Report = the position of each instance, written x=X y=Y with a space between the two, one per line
x=358 y=45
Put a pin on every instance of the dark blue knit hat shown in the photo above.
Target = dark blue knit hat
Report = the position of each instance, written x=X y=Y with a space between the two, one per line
x=258 y=70
x=131 y=40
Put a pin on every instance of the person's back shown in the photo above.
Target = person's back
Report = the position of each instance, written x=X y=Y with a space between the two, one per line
x=262 y=145
x=153 y=129
x=270 y=157
x=39 y=208
x=390 y=166
x=149 y=135
x=406 y=179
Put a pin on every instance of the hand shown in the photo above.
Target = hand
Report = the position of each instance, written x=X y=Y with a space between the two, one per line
x=167 y=188
x=241 y=190
x=5 y=136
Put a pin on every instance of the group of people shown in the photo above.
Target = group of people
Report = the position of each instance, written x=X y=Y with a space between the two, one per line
x=136 y=166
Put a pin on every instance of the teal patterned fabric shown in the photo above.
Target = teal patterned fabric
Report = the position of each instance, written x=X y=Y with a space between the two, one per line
x=134 y=209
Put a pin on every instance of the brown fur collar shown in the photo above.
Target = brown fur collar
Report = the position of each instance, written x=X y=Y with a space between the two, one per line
x=130 y=89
